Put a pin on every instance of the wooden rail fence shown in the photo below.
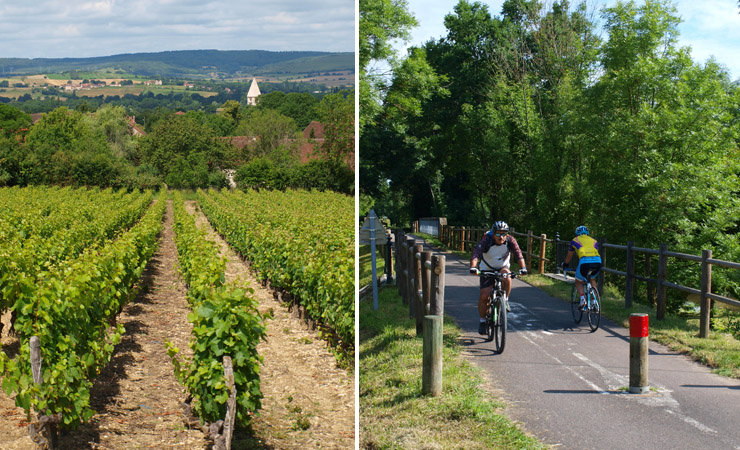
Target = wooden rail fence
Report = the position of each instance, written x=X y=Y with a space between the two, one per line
x=536 y=247
x=420 y=278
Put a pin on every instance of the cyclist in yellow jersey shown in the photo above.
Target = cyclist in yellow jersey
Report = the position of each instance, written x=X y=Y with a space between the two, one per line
x=587 y=249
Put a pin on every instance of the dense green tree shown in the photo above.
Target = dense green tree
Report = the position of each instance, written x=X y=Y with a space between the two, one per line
x=298 y=106
x=337 y=113
x=530 y=118
x=381 y=22
x=13 y=122
x=276 y=134
x=664 y=144
x=179 y=137
x=114 y=124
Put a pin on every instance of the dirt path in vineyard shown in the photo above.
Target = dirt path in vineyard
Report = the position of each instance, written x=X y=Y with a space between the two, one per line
x=308 y=404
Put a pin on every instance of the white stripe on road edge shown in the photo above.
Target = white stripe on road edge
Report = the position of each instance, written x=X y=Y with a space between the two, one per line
x=664 y=400
x=693 y=422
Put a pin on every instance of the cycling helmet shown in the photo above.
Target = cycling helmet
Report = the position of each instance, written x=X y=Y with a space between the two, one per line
x=581 y=230
x=500 y=226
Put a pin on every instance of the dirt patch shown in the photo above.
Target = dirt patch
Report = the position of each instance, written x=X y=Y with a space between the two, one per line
x=308 y=401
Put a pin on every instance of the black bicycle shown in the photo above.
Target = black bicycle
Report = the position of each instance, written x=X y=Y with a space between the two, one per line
x=592 y=307
x=496 y=315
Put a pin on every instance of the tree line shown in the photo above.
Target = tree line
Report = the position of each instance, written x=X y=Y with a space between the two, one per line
x=533 y=118
x=87 y=146
x=148 y=106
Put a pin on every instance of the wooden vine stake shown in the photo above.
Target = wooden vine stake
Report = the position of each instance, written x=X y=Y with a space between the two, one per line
x=43 y=433
x=223 y=442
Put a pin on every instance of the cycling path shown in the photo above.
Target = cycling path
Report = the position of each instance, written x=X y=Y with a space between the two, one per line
x=568 y=386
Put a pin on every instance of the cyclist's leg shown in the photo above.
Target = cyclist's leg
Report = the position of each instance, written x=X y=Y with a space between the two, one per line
x=595 y=269
x=580 y=277
x=506 y=282
x=506 y=286
x=483 y=301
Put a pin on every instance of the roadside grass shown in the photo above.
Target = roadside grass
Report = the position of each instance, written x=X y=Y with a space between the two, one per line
x=366 y=268
x=393 y=412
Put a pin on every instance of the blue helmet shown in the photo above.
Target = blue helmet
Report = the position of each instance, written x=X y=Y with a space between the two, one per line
x=581 y=230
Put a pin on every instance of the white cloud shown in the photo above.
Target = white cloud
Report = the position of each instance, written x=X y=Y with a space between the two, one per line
x=104 y=27
x=282 y=18
x=102 y=7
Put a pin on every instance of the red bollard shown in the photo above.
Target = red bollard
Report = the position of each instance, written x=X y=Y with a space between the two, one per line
x=639 y=353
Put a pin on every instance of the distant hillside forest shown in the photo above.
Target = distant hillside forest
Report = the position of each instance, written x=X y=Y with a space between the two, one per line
x=258 y=147
x=191 y=63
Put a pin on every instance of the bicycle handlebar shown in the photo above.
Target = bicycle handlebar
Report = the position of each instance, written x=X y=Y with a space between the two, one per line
x=497 y=274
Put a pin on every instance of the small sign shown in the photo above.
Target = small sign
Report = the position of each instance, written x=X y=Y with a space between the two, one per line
x=372 y=223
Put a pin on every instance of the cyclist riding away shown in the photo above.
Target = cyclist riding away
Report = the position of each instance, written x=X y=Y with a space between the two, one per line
x=494 y=253
x=587 y=249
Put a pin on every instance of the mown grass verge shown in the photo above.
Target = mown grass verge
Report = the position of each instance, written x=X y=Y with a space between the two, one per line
x=366 y=268
x=393 y=412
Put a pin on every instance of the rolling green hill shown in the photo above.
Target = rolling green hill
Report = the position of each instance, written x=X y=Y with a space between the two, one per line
x=189 y=63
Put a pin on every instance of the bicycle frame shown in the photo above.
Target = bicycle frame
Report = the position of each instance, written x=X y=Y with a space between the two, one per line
x=496 y=322
x=593 y=303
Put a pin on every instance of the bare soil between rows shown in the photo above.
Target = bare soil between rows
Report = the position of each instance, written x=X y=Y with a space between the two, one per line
x=308 y=401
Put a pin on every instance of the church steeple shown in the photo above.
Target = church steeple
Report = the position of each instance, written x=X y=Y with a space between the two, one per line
x=254 y=92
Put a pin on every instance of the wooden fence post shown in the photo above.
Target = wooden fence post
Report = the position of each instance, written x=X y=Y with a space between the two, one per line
x=410 y=275
x=418 y=293
x=629 y=283
x=462 y=239
x=706 y=287
x=649 y=274
x=223 y=441
x=389 y=261
x=602 y=250
x=400 y=280
x=426 y=279
x=543 y=246
x=437 y=298
x=431 y=378
x=662 y=276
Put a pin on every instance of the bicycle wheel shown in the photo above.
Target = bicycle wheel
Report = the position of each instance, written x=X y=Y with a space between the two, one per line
x=594 y=308
x=500 y=326
x=574 y=303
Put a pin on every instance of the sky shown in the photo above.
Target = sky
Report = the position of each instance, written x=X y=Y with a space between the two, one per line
x=87 y=28
x=709 y=27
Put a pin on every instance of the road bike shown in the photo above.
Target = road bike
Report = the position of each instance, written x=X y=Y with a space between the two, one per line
x=496 y=315
x=593 y=303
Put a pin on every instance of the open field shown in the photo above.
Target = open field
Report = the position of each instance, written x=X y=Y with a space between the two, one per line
x=36 y=83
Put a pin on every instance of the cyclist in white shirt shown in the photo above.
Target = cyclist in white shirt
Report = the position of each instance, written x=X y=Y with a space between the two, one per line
x=494 y=253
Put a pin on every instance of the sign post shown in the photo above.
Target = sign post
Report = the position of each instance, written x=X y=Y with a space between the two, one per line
x=370 y=228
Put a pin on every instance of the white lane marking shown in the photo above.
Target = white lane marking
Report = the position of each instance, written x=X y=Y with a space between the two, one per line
x=616 y=381
x=693 y=422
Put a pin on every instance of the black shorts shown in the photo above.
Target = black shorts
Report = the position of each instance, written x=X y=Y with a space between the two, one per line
x=583 y=270
x=486 y=282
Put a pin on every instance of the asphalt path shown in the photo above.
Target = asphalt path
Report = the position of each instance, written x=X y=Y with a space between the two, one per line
x=569 y=387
